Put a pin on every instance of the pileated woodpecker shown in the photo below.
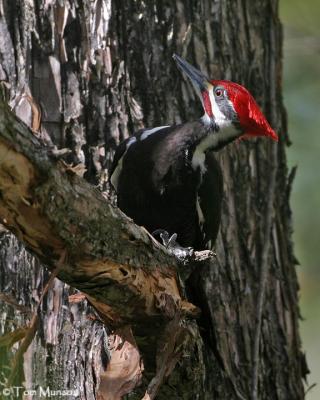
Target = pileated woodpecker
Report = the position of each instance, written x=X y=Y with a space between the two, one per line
x=168 y=178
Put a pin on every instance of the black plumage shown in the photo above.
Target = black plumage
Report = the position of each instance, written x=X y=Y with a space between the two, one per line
x=167 y=177
x=159 y=186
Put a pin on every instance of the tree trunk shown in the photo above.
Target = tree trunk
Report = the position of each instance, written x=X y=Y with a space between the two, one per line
x=86 y=74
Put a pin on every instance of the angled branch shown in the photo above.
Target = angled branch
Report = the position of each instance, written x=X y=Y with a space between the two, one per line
x=128 y=276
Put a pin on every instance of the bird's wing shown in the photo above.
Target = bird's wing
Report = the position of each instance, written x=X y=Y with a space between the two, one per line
x=120 y=150
x=133 y=143
x=209 y=200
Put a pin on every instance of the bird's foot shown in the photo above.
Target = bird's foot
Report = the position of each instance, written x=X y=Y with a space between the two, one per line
x=184 y=254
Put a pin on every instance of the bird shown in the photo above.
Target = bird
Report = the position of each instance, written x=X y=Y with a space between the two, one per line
x=167 y=178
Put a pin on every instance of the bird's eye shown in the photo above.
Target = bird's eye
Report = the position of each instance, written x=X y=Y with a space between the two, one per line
x=219 y=92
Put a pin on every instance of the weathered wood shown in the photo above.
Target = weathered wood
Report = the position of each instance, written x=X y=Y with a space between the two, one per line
x=56 y=213
x=53 y=211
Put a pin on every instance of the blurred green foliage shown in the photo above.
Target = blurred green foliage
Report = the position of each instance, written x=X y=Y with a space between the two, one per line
x=301 y=21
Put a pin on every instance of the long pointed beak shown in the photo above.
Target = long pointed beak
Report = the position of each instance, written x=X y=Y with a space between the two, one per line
x=201 y=85
x=198 y=79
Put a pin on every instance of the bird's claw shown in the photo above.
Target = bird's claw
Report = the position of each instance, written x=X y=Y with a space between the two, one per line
x=167 y=240
x=170 y=242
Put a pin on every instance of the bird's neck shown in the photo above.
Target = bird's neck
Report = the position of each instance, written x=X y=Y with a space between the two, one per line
x=213 y=138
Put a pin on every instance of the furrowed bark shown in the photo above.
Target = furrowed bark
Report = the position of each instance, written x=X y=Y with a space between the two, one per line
x=53 y=210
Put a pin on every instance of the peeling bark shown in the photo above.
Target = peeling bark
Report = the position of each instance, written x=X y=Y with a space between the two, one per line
x=83 y=75
x=53 y=212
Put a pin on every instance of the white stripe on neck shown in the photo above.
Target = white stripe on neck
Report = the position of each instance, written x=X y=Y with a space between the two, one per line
x=211 y=141
x=149 y=132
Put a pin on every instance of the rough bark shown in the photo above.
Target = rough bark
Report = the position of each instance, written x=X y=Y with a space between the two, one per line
x=85 y=74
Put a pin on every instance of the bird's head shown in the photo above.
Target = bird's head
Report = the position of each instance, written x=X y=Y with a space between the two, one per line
x=227 y=105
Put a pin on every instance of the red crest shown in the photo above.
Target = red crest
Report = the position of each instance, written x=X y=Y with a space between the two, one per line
x=250 y=116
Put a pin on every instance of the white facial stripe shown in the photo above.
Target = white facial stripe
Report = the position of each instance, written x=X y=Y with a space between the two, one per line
x=149 y=132
x=229 y=131
x=210 y=142
x=226 y=131
x=199 y=212
x=198 y=160
x=199 y=157
x=206 y=120
x=220 y=118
